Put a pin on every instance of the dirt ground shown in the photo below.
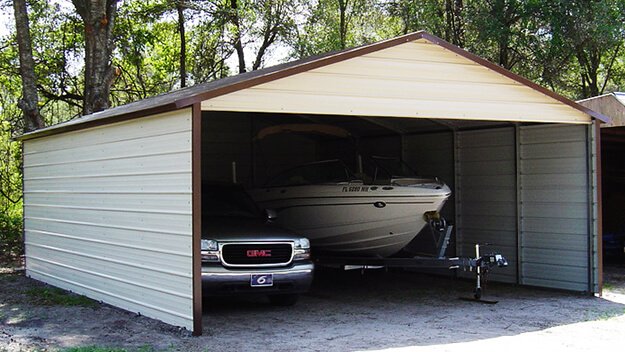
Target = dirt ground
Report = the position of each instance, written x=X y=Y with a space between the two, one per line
x=345 y=311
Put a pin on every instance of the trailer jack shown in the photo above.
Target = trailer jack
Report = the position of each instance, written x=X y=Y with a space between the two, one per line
x=483 y=265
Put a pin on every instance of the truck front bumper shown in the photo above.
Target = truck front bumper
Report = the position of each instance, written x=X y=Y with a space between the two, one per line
x=220 y=281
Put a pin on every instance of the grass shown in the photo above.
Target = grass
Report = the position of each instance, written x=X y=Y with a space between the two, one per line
x=50 y=296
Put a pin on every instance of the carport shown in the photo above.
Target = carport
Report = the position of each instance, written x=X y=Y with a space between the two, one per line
x=112 y=201
x=613 y=166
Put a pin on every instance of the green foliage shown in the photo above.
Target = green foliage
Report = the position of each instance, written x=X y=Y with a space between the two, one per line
x=48 y=296
x=330 y=27
x=10 y=237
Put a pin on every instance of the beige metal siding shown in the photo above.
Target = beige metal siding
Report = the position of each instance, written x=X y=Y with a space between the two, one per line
x=555 y=206
x=486 y=196
x=417 y=79
x=108 y=214
x=608 y=105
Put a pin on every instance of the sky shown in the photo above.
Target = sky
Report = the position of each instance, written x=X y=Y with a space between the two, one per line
x=6 y=20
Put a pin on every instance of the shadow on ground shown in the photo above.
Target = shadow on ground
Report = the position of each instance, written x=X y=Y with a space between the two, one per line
x=350 y=311
x=344 y=311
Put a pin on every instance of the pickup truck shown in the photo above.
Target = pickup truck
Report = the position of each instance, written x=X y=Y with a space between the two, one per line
x=244 y=252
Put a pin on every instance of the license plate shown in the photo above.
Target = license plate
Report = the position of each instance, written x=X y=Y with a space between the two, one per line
x=261 y=280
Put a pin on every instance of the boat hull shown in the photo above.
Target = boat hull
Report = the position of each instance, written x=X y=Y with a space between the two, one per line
x=353 y=220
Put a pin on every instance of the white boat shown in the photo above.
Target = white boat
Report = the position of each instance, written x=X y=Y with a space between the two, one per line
x=347 y=215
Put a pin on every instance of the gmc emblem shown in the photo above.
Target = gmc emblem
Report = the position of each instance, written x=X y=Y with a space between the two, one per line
x=254 y=253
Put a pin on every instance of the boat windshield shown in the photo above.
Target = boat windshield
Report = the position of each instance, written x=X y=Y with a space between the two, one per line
x=330 y=171
x=381 y=170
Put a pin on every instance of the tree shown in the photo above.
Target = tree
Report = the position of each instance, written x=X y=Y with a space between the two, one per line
x=98 y=17
x=180 y=5
x=500 y=27
x=332 y=25
x=30 y=99
x=414 y=16
x=581 y=44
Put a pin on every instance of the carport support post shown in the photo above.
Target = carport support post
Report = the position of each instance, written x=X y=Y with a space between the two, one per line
x=596 y=128
x=196 y=181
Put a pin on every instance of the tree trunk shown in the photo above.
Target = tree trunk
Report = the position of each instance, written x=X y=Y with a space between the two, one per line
x=183 y=44
x=98 y=17
x=238 y=45
x=343 y=23
x=29 y=100
x=454 y=29
x=274 y=19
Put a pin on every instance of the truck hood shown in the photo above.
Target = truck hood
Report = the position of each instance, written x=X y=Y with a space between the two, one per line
x=244 y=229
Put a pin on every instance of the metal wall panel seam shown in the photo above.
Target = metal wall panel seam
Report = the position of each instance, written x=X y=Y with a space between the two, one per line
x=139 y=229
x=124 y=210
x=47 y=150
x=117 y=244
x=419 y=79
x=159 y=173
x=57 y=191
x=105 y=259
x=133 y=156
x=106 y=293
x=114 y=278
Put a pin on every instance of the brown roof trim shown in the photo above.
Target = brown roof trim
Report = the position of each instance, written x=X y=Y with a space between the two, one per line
x=438 y=41
x=177 y=99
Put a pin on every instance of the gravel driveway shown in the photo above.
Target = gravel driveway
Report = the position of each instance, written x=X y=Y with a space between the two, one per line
x=345 y=311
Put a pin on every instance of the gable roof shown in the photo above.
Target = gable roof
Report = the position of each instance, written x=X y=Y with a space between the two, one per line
x=611 y=105
x=189 y=96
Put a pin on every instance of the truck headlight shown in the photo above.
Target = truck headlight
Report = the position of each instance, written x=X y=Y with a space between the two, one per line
x=210 y=251
x=301 y=249
x=209 y=245
x=302 y=243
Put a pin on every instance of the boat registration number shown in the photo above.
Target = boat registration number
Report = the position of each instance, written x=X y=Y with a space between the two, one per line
x=261 y=280
x=356 y=189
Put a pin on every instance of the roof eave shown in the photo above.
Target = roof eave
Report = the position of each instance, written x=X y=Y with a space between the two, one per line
x=302 y=67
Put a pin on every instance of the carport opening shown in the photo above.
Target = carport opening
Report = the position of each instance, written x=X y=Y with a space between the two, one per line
x=480 y=160
x=246 y=148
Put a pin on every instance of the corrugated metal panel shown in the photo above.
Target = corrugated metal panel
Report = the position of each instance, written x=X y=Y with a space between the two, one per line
x=486 y=194
x=107 y=214
x=554 y=206
x=416 y=79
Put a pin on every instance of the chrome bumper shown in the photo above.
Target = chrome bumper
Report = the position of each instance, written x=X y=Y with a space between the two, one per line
x=295 y=278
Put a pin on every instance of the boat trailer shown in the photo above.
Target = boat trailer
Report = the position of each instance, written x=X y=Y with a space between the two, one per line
x=481 y=264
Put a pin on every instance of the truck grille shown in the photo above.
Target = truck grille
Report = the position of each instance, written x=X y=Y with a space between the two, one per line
x=248 y=254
